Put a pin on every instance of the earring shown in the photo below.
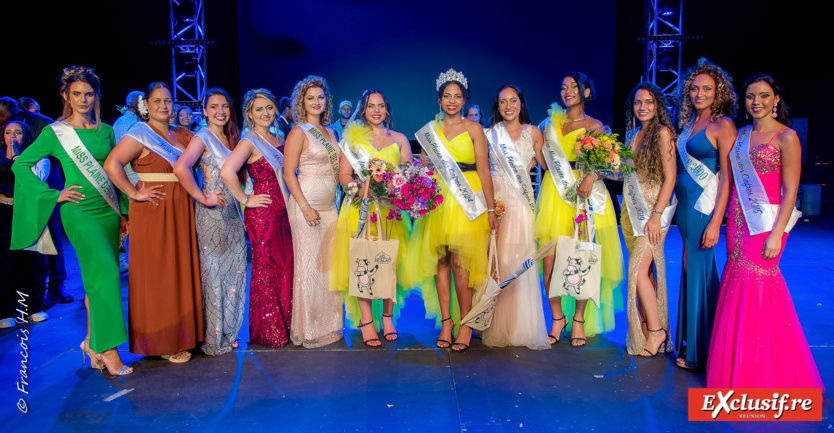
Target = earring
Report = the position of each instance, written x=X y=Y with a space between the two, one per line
x=774 y=114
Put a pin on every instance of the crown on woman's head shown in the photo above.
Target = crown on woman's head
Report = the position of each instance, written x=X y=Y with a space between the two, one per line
x=75 y=70
x=451 y=75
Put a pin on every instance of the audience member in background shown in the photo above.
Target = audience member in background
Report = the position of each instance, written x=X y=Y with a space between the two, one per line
x=185 y=119
x=172 y=116
x=22 y=273
x=284 y=117
x=473 y=113
x=27 y=103
x=9 y=110
x=345 y=110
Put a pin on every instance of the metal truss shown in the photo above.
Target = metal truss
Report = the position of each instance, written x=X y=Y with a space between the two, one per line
x=662 y=42
x=188 y=51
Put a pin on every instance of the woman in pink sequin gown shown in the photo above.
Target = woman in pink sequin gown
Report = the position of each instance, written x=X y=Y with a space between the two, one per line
x=270 y=284
x=311 y=149
x=757 y=340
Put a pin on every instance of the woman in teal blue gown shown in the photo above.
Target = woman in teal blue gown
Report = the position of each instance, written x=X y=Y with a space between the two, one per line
x=707 y=102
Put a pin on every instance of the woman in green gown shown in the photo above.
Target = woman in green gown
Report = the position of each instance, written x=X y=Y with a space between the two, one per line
x=91 y=222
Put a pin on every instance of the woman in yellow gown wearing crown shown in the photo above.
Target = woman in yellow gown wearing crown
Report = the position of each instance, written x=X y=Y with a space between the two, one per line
x=447 y=243
x=556 y=218
x=373 y=134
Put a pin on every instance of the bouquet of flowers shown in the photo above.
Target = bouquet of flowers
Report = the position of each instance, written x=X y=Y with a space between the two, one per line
x=599 y=152
x=499 y=208
x=413 y=190
x=378 y=175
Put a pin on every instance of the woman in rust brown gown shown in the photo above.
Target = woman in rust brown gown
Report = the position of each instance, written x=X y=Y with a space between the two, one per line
x=164 y=302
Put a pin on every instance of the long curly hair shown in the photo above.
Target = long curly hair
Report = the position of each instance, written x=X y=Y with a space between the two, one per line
x=388 y=122
x=85 y=75
x=231 y=129
x=299 y=113
x=726 y=99
x=649 y=155
x=783 y=111
x=249 y=101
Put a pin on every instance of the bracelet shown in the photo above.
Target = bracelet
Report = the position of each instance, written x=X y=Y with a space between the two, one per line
x=247 y=200
x=305 y=205
x=657 y=212
x=491 y=210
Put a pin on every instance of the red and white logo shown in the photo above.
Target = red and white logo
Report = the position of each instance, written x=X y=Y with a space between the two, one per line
x=755 y=404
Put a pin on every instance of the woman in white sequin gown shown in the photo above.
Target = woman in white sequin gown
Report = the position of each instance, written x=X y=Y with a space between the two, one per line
x=316 y=311
x=518 y=319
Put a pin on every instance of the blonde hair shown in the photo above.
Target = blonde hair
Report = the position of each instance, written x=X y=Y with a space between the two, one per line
x=299 y=113
x=249 y=100
x=726 y=99
x=82 y=74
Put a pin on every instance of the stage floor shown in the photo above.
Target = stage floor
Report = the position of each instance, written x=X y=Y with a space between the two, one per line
x=407 y=385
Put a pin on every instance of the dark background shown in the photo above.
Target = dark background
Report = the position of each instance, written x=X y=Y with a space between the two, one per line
x=400 y=47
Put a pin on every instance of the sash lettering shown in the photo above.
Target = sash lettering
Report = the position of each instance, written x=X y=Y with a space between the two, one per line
x=638 y=210
x=473 y=203
x=144 y=134
x=699 y=172
x=505 y=153
x=86 y=163
x=332 y=153
x=759 y=214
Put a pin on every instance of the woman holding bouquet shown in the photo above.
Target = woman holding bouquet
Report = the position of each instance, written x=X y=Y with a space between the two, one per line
x=518 y=318
x=757 y=341
x=311 y=149
x=707 y=101
x=645 y=218
x=368 y=139
x=452 y=240
x=556 y=215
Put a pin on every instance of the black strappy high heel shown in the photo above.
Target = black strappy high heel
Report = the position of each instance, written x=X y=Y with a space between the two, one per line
x=663 y=345
x=448 y=343
x=555 y=339
x=362 y=325
x=385 y=336
x=578 y=338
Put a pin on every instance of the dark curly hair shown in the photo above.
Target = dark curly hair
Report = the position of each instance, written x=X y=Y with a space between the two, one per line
x=726 y=99
x=584 y=82
x=783 y=111
x=649 y=155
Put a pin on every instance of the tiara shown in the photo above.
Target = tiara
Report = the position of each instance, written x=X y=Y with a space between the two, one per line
x=451 y=75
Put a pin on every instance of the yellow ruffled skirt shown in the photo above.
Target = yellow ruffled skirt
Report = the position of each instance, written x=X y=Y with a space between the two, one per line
x=346 y=228
x=447 y=226
x=555 y=218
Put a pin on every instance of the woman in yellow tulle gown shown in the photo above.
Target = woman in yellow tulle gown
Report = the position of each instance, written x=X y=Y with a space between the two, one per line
x=556 y=218
x=446 y=243
x=373 y=133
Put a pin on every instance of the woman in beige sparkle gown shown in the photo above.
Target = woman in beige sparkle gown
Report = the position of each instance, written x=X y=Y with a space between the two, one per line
x=310 y=148
x=654 y=162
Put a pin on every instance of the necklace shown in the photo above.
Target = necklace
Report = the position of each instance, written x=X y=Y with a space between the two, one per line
x=577 y=120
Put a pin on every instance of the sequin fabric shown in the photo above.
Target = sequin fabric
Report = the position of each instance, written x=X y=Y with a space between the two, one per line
x=317 y=311
x=222 y=253
x=270 y=285
x=637 y=246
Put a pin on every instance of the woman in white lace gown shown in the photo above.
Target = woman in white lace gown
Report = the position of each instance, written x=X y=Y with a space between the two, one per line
x=518 y=319
x=311 y=148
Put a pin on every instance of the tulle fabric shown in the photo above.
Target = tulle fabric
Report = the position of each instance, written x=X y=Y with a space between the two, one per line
x=555 y=218
x=448 y=226
x=346 y=228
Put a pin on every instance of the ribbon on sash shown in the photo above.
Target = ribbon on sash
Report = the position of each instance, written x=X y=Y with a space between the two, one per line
x=638 y=211
x=561 y=172
x=216 y=147
x=86 y=163
x=144 y=134
x=332 y=153
x=273 y=156
x=505 y=153
x=759 y=214
x=700 y=173
x=357 y=156
x=473 y=203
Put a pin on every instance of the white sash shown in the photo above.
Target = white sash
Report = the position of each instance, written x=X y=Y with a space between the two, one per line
x=699 y=172
x=505 y=153
x=561 y=172
x=357 y=156
x=86 y=163
x=759 y=214
x=216 y=147
x=273 y=156
x=473 y=203
x=332 y=153
x=638 y=211
x=144 y=134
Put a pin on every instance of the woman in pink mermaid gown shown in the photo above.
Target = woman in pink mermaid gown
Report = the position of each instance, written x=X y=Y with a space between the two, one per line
x=757 y=340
